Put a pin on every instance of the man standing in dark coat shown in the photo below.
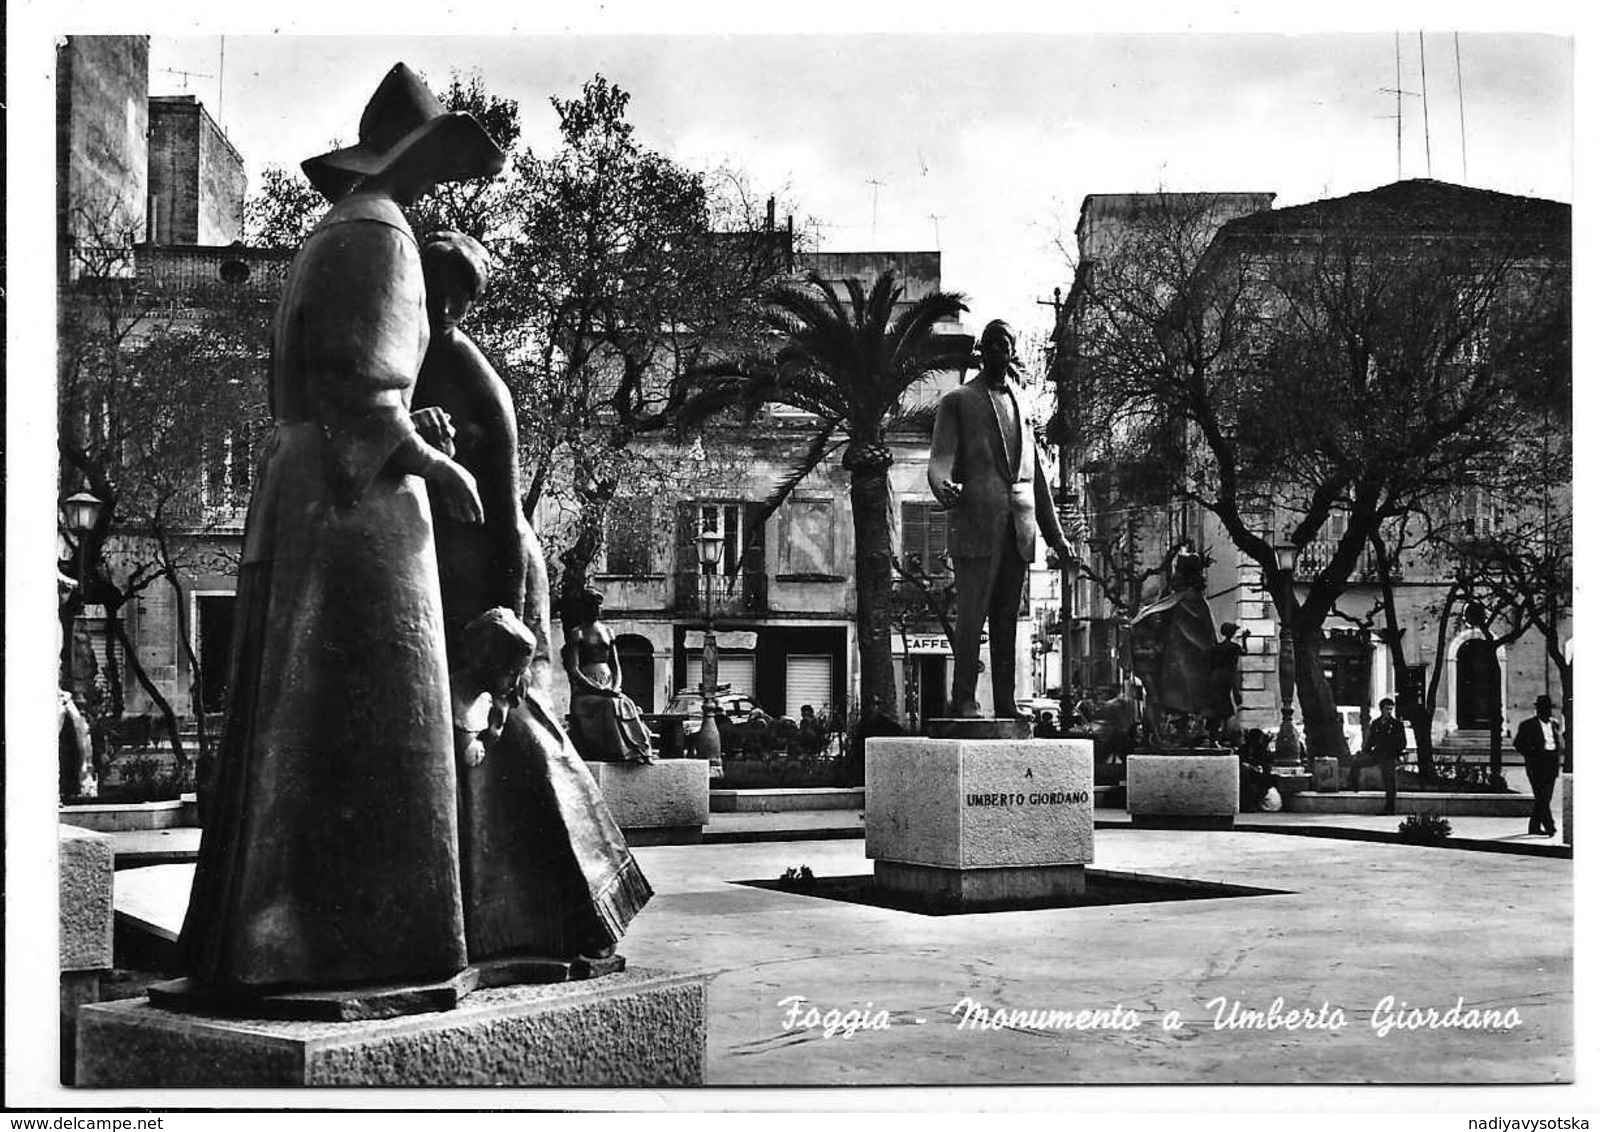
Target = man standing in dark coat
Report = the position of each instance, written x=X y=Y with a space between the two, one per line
x=1386 y=742
x=1538 y=741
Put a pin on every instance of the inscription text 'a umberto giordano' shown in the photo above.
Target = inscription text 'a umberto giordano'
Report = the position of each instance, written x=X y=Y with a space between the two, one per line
x=1041 y=798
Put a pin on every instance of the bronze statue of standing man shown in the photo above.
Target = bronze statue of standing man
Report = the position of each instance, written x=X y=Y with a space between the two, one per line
x=984 y=468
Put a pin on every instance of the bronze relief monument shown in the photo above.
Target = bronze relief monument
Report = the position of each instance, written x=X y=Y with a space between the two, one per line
x=392 y=802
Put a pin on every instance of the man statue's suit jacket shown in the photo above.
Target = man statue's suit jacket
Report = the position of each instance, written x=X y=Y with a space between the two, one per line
x=996 y=483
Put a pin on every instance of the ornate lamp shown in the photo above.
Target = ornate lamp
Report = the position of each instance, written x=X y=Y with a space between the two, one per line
x=708 y=744
x=80 y=511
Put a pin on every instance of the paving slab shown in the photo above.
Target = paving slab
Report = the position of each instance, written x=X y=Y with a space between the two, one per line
x=1357 y=929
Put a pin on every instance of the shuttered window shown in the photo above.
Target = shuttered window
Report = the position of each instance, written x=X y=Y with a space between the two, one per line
x=809 y=681
x=628 y=536
x=923 y=532
x=737 y=672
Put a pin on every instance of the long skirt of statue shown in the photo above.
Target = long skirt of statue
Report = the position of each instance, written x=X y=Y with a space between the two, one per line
x=545 y=869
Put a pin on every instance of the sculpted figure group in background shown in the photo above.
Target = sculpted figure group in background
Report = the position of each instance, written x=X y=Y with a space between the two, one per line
x=1188 y=672
x=354 y=836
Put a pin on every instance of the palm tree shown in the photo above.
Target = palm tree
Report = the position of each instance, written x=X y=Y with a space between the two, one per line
x=850 y=368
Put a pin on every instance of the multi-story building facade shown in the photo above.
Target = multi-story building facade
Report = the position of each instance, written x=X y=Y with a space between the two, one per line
x=150 y=193
x=783 y=600
x=1137 y=517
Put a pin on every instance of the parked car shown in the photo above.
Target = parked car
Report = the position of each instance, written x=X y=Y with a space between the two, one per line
x=1350 y=717
x=676 y=727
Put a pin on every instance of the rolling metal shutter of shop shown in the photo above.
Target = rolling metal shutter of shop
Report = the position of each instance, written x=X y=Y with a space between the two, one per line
x=737 y=672
x=809 y=680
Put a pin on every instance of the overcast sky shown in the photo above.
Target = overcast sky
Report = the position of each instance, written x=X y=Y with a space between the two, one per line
x=998 y=136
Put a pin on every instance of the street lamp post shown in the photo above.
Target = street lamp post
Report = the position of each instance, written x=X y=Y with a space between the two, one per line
x=709 y=742
x=79 y=513
x=1069 y=706
x=1287 y=752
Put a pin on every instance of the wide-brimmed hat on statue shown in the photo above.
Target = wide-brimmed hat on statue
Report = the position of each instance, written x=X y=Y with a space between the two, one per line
x=1543 y=701
x=404 y=121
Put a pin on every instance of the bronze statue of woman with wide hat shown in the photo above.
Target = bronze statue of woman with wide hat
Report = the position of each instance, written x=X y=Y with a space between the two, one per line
x=329 y=857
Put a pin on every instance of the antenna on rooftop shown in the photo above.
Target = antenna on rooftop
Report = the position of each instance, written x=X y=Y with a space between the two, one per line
x=1399 y=109
x=936 y=217
x=876 y=184
x=187 y=75
x=222 y=56
x=1427 y=137
x=1461 y=105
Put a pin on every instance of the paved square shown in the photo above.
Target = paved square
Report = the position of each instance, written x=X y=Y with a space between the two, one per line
x=1363 y=923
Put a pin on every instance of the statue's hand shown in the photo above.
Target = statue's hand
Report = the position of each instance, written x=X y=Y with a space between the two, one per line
x=474 y=753
x=434 y=426
x=458 y=489
x=947 y=492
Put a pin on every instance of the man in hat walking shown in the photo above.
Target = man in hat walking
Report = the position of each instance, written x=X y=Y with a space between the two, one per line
x=1538 y=741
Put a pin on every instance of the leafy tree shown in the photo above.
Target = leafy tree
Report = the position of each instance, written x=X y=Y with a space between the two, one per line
x=850 y=368
x=159 y=407
x=1349 y=361
x=616 y=271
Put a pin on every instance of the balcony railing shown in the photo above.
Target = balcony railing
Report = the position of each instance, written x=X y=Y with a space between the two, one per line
x=1319 y=552
x=739 y=595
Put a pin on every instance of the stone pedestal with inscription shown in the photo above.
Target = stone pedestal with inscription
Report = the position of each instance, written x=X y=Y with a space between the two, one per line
x=1194 y=789
x=980 y=822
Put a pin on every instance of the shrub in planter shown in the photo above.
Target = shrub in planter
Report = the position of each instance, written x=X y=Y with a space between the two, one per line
x=1424 y=829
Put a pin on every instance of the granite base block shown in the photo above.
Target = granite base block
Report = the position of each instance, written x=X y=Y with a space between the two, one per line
x=85 y=877
x=981 y=888
x=980 y=803
x=1183 y=785
x=639 y=1028
x=669 y=794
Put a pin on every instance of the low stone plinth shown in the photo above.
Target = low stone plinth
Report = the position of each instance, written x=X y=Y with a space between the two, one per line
x=634 y=1029
x=1414 y=802
x=1183 y=790
x=125 y=817
x=980 y=888
x=87 y=912
x=1566 y=808
x=787 y=800
x=980 y=820
x=664 y=802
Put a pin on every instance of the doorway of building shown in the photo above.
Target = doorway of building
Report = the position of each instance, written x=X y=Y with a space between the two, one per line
x=1477 y=686
x=637 y=658
x=214 y=633
x=933 y=682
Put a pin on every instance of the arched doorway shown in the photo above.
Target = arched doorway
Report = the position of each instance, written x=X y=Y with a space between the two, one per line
x=1477 y=685
x=638 y=660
